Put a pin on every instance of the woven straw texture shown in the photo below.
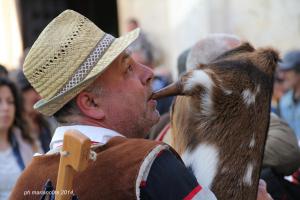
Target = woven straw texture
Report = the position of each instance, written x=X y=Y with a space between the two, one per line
x=59 y=51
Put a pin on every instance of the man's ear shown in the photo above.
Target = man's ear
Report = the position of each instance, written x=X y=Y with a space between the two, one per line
x=87 y=104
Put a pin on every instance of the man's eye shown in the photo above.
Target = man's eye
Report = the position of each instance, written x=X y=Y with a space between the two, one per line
x=130 y=68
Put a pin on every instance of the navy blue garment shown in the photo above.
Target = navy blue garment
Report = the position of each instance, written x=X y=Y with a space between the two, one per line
x=168 y=179
x=16 y=152
x=45 y=138
x=278 y=187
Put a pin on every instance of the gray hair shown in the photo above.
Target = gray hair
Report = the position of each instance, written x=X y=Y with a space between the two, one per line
x=209 y=48
x=71 y=108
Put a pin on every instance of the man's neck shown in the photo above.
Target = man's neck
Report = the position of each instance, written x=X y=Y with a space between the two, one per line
x=79 y=120
x=82 y=120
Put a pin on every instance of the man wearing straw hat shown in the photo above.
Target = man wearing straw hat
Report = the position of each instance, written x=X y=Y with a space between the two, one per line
x=89 y=82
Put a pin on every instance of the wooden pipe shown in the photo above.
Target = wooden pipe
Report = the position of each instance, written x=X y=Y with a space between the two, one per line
x=171 y=90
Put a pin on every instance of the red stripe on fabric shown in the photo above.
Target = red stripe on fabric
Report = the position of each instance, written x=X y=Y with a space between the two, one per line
x=143 y=184
x=296 y=177
x=193 y=193
x=159 y=153
x=163 y=133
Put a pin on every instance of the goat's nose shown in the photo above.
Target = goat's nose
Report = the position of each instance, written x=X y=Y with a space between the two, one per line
x=171 y=90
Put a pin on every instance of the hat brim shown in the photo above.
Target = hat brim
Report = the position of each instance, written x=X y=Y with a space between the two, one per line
x=285 y=66
x=51 y=106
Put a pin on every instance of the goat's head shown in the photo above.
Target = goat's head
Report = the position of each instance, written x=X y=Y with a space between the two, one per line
x=235 y=88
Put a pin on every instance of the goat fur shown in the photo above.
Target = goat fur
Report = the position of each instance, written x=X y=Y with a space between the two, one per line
x=237 y=124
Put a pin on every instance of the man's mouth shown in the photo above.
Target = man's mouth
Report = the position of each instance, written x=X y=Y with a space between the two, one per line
x=150 y=96
x=152 y=101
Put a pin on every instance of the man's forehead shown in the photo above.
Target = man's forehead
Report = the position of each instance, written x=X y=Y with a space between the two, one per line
x=119 y=61
x=126 y=54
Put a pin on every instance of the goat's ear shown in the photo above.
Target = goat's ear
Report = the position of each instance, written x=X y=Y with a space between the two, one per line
x=267 y=59
x=243 y=48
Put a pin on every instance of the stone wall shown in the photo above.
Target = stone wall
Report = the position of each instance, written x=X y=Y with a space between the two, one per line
x=174 y=25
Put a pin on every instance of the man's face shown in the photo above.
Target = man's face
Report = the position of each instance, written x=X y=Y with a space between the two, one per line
x=290 y=79
x=126 y=90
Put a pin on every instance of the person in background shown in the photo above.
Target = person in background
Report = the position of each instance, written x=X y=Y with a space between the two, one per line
x=16 y=146
x=142 y=42
x=3 y=71
x=281 y=159
x=39 y=127
x=289 y=104
x=278 y=91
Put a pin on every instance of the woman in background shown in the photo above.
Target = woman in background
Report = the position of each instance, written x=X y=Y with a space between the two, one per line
x=39 y=127
x=16 y=146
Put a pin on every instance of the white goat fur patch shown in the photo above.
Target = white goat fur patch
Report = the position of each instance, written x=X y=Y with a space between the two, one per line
x=252 y=142
x=227 y=92
x=202 y=78
x=199 y=77
x=249 y=96
x=204 y=161
x=248 y=175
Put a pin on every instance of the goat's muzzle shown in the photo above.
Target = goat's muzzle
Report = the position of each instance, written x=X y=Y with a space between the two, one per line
x=170 y=90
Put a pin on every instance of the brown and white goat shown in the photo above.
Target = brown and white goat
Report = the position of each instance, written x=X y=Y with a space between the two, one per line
x=219 y=125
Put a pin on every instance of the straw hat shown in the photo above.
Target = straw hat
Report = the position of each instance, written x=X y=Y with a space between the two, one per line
x=70 y=54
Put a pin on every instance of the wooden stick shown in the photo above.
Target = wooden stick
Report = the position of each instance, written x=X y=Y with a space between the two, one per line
x=74 y=158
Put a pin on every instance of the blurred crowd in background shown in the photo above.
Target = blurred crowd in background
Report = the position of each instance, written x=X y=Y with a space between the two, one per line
x=24 y=131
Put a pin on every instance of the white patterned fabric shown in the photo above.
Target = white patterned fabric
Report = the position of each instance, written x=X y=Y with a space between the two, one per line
x=89 y=63
x=96 y=134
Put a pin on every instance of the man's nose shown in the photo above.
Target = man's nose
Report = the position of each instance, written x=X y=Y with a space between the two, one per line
x=146 y=75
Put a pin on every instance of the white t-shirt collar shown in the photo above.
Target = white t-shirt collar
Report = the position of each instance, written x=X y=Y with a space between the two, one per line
x=96 y=134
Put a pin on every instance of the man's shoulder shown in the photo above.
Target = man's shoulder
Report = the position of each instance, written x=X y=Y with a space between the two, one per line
x=126 y=160
x=139 y=148
x=131 y=143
